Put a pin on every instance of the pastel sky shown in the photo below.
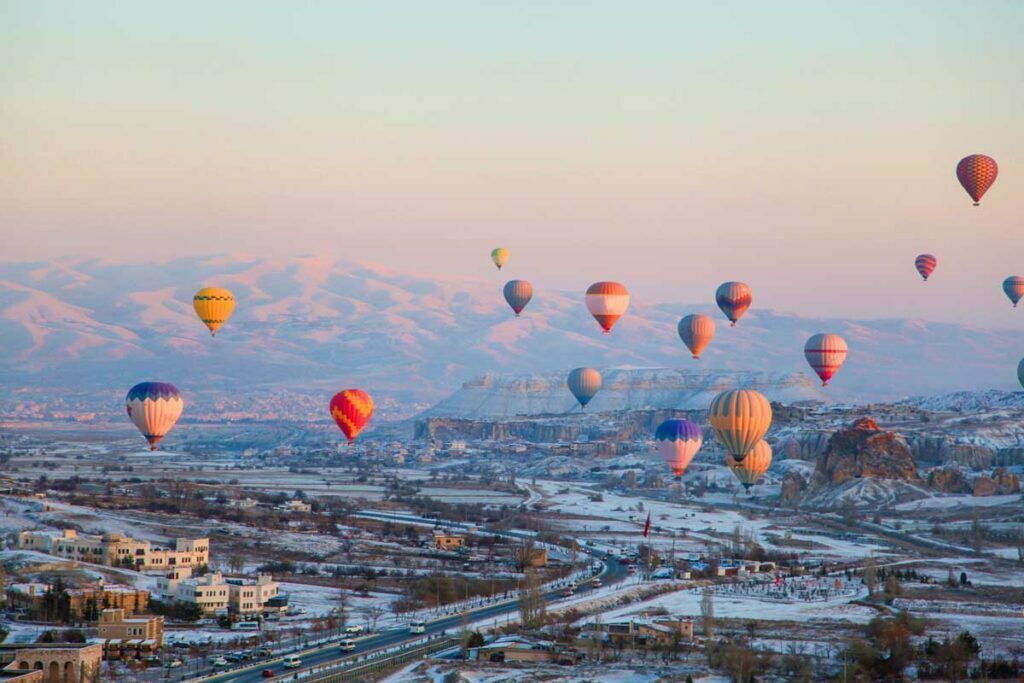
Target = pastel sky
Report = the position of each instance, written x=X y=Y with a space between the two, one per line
x=807 y=148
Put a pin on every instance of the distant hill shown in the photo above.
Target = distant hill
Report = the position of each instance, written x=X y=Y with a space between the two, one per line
x=314 y=325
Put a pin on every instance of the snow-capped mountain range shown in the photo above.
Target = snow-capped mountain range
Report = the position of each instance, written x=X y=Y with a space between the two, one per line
x=318 y=324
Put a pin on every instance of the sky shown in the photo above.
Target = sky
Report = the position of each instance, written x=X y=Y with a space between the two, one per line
x=807 y=148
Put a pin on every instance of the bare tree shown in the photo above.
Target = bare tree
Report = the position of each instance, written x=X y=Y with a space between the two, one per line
x=707 y=613
x=870 y=575
x=531 y=603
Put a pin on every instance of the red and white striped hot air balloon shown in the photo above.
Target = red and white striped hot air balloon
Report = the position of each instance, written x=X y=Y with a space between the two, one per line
x=976 y=173
x=607 y=302
x=925 y=264
x=825 y=353
x=734 y=298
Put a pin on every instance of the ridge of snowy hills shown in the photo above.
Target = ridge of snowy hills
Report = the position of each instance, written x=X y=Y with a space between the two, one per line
x=318 y=324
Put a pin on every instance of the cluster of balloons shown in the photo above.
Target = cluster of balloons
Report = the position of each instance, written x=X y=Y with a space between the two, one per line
x=154 y=407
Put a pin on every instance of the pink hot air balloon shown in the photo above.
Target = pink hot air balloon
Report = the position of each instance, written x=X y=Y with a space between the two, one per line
x=696 y=331
x=734 y=298
x=925 y=264
x=825 y=353
x=607 y=302
x=976 y=173
x=1013 y=286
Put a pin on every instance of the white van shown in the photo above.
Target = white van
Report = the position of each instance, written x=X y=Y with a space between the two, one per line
x=347 y=645
x=292 y=662
x=418 y=627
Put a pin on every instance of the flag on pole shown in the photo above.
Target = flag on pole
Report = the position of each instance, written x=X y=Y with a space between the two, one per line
x=647 y=525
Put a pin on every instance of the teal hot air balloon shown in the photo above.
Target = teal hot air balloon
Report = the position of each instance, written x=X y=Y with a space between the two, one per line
x=518 y=293
x=584 y=383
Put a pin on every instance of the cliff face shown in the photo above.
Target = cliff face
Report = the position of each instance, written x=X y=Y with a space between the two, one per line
x=864 y=450
x=999 y=484
x=623 y=389
x=949 y=480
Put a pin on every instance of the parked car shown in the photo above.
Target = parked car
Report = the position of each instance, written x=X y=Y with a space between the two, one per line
x=354 y=628
x=219 y=662
x=173 y=663
x=264 y=652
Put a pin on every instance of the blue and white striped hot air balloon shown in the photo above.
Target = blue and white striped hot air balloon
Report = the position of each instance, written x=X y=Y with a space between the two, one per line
x=678 y=442
x=154 y=407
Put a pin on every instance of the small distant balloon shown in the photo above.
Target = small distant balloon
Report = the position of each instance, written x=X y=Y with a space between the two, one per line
x=740 y=418
x=925 y=264
x=825 y=353
x=607 y=302
x=678 y=442
x=584 y=383
x=499 y=256
x=976 y=173
x=518 y=293
x=352 y=410
x=154 y=407
x=734 y=298
x=751 y=468
x=696 y=331
x=1020 y=372
x=214 y=306
x=1014 y=288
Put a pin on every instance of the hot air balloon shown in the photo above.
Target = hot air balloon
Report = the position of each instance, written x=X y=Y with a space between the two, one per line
x=825 y=353
x=696 y=331
x=351 y=409
x=499 y=256
x=213 y=306
x=518 y=293
x=740 y=418
x=976 y=173
x=154 y=407
x=1020 y=372
x=607 y=302
x=1014 y=288
x=734 y=298
x=678 y=441
x=752 y=467
x=584 y=383
x=925 y=264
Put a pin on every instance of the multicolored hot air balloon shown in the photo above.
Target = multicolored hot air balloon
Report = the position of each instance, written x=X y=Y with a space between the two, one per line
x=678 y=441
x=584 y=383
x=976 y=173
x=499 y=256
x=607 y=302
x=696 y=331
x=1014 y=288
x=213 y=306
x=734 y=298
x=752 y=467
x=518 y=293
x=825 y=353
x=154 y=407
x=925 y=264
x=351 y=409
x=740 y=418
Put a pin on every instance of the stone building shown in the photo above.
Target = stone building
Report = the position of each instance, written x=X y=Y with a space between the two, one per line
x=117 y=550
x=113 y=624
x=56 y=662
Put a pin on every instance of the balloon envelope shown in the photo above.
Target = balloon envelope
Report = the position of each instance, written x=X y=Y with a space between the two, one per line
x=678 y=441
x=499 y=256
x=1020 y=372
x=740 y=418
x=925 y=264
x=214 y=306
x=734 y=298
x=1014 y=288
x=518 y=293
x=976 y=173
x=351 y=409
x=825 y=353
x=584 y=383
x=696 y=331
x=752 y=467
x=607 y=302
x=154 y=407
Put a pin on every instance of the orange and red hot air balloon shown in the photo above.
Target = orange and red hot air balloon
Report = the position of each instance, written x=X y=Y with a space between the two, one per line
x=607 y=302
x=925 y=264
x=825 y=353
x=351 y=409
x=976 y=173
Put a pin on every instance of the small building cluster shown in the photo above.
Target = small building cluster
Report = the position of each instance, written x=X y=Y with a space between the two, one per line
x=116 y=550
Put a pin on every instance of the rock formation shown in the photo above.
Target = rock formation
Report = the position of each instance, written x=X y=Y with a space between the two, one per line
x=864 y=450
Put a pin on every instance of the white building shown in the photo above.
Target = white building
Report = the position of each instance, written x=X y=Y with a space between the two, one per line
x=247 y=596
x=295 y=506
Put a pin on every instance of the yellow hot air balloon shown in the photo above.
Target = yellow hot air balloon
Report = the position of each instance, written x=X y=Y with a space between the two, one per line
x=740 y=418
x=499 y=256
x=213 y=306
x=752 y=467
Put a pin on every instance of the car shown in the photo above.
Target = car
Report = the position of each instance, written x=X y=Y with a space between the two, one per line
x=596 y=583
x=292 y=662
x=568 y=593
x=347 y=645
x=173 y=663
x=268 y=673
x=631 y=570
x=234 y=657
x=264 y=652
x=418 y=627
x=219 y=662
x=354 y=628
x=181 y=645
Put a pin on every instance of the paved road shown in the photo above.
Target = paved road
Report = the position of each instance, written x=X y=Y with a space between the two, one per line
x=614 y=572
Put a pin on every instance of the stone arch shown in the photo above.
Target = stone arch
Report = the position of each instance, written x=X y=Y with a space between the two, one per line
x=53 y=673
x=70 y=673
x=38 y=665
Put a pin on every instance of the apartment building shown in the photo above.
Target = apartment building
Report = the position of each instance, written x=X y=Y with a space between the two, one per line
x=210 y=592
x=116 y=550
x=247 y=596
x=114 y=625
